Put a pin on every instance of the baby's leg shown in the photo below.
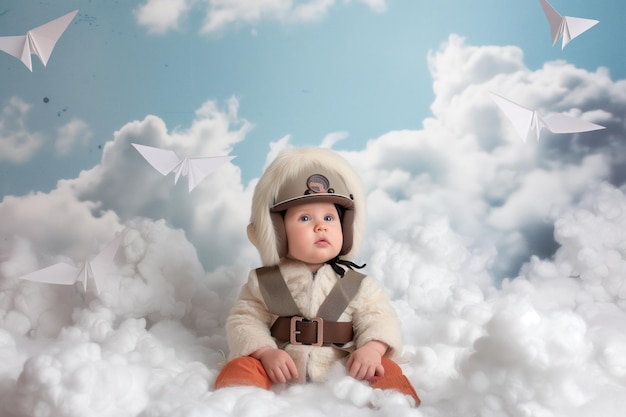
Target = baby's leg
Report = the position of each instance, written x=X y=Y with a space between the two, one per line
x=394 y=379
x=244 y=370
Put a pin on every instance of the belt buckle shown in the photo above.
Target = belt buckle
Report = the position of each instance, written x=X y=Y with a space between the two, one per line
x=293 y=332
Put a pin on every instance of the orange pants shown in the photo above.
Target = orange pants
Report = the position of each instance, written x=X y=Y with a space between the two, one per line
x=246 y=370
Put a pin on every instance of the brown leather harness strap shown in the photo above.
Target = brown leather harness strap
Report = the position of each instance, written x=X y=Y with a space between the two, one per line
x=340 y=296
x=320 y=330
x=276 y=294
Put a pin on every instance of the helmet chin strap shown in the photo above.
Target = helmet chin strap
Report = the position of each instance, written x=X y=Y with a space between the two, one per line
x=335 y=262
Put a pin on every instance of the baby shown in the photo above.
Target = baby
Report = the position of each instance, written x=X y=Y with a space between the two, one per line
x=307 y=308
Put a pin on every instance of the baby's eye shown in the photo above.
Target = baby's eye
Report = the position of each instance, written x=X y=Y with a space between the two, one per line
x=305 y=218
x=328 y=218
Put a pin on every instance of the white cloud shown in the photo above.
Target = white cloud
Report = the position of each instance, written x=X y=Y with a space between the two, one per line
x=160 y=16
x=313 y=10
x=376 y=5
x=17 y=144
x=544 y=194
x=456 y=66
x=89 y=209
x=78 y=226
x=467 y=163
x=214 y=214
x=76 y=132
x=222 y=14
x=332 y=138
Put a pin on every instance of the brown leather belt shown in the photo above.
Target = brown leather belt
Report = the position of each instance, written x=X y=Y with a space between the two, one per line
x=317 y=332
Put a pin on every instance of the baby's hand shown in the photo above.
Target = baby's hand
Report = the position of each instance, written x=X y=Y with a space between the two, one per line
x=278 y=364
x=365 y=362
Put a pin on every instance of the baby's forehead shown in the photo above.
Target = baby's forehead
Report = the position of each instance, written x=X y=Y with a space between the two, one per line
x=313 y=206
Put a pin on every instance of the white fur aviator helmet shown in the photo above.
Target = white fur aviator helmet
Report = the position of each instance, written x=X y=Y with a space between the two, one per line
x=299 y=176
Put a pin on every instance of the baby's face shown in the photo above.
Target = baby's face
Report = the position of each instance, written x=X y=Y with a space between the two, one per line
x=314 y=233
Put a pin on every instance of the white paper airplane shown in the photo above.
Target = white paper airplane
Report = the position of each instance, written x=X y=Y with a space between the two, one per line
x=565 y=27
x=526 y=121
x=89 y=274
x=195 y=169
x=39 y=41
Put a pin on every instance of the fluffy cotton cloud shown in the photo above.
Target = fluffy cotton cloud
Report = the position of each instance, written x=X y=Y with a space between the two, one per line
x=134 y=324
x=17 y=144
x=550 y=341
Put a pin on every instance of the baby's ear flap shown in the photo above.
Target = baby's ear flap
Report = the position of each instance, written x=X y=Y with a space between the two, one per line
x=252 y=237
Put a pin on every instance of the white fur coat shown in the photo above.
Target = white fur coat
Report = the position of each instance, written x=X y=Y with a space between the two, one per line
x=373 y=317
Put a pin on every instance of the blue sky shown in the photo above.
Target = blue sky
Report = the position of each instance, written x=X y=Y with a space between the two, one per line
x=354 y=69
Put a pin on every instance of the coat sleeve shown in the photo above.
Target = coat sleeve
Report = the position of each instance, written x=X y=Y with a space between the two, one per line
x=374 y=318
x=248 y=325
